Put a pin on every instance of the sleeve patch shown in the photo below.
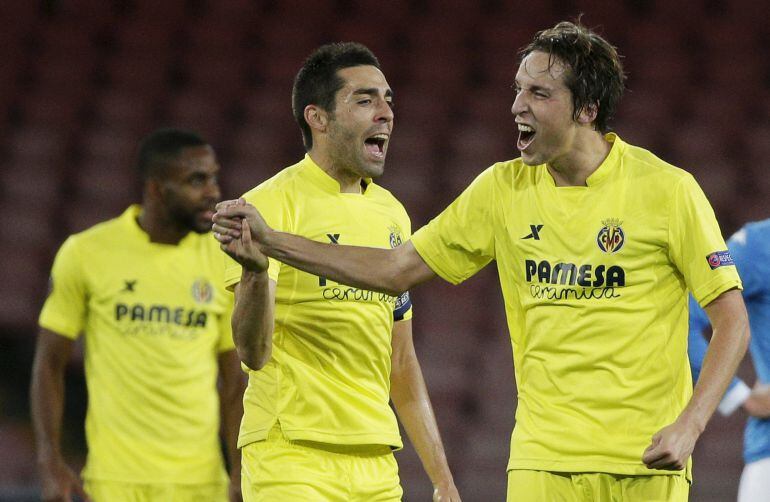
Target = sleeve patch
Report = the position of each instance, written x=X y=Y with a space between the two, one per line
x=720 y=259
x=403 y=304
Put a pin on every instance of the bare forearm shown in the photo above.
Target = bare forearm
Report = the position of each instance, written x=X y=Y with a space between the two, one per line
x=252 y=319
x=231 y=404
x=362 y=267
x=410 y=398
x=47 y=404
x=728 y=345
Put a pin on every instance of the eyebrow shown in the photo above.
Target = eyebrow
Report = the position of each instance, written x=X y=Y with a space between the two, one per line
x=373 y=91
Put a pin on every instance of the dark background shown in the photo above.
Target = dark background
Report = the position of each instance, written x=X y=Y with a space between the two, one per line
x=82 y=81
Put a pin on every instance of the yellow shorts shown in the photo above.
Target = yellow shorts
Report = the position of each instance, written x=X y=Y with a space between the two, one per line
x=536 y=486
x=301 y=471
x=110 y=491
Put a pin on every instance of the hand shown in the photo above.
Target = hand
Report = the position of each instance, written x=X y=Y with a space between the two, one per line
x=243 y=249
x=59 y=482
x=446 y=492
x=672 y=446
x=228 y=217
x=758 y=402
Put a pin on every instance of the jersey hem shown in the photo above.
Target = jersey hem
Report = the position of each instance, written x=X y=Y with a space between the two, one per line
x=393 y=442
x=630 y=469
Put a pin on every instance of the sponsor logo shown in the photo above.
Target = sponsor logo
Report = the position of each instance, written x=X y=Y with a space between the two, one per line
x=202 y=291
x=534 y=232
x=333 y=239
x=129 y=286
x=563 y=281
x=611 y=237
x=720 y=259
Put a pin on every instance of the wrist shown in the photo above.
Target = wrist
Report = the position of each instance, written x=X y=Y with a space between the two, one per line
x=254 y=277
x=692 y=421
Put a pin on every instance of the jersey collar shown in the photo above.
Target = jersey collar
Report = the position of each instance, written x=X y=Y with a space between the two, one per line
x=610 y=163
x=322 y=180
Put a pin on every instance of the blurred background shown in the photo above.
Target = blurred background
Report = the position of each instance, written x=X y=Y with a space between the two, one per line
x=83 y=80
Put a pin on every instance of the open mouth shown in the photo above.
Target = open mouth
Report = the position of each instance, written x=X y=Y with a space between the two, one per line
x=375 y=145
x=526 y=136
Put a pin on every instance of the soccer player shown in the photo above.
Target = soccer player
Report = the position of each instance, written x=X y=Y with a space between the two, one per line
x=750 y=248
x=145 y=290
x=324 y=359
x=596 y=243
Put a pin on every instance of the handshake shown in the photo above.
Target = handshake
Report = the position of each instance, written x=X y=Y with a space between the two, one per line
x=242 y=233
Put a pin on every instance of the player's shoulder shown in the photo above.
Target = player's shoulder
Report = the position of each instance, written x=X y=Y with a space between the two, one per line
x=642 y=162
x=97 y=235
x=285 y=180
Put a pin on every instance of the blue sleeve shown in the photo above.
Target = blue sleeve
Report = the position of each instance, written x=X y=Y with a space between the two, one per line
x=746 y=249
x=697 y=344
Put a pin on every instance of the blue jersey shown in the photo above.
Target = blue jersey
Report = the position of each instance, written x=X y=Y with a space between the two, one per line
x=750 y=248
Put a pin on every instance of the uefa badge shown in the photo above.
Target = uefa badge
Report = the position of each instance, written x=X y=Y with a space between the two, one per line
x=611 y=236
x=202 y=291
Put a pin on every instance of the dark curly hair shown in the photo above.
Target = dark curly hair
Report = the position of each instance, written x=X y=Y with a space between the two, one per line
x=594 y=73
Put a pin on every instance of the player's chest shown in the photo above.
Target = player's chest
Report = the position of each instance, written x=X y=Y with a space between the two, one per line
x=350 y=224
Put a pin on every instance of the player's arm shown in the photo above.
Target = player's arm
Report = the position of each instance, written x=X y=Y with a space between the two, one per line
x=232 y=385
x=673 y=445
x=410 y=398
x=391 y=271
x=738 y=393
x=252 y=319
x=52 y=353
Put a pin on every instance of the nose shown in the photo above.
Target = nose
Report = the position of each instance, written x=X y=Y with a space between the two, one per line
x=519 y=104
x=212 y=189
x=384 y=112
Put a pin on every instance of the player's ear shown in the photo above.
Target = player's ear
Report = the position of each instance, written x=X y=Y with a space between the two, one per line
x=316 y=117
x=588 y=113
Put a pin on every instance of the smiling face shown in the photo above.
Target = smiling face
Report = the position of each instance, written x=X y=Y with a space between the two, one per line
x=360 y=125
x=543 y=111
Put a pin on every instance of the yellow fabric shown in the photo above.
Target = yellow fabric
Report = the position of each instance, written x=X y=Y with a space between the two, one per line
x=289 y=471
x=329 y=376
x=111 y=491
x=537 y=486
x=599 y=336
x=155 y=317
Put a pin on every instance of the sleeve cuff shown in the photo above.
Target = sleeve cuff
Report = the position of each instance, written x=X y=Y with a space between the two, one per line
x=734 y=398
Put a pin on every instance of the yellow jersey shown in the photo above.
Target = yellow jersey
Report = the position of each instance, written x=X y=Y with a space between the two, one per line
x=328 y=379
x=595 y=282
x=155 y=317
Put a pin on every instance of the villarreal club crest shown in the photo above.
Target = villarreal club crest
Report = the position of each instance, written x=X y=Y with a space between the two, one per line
x=611 y=236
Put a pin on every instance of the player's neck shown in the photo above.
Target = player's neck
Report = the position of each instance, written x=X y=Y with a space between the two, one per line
x=584 y=158
x=159 y=227
x=349 y=182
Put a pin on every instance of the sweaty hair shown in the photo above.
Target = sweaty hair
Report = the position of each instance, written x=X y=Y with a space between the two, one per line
x=161 y=147
x=594 y=73
x=317 y=81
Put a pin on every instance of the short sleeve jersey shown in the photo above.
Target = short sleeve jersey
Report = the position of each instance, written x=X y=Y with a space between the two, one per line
x=595 y=282
x=328 y=379
x=750 y=248
x=155 y=318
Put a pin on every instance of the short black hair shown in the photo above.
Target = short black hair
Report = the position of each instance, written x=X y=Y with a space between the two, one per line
x=317 y=81
x=160 y=147
x=594 y=73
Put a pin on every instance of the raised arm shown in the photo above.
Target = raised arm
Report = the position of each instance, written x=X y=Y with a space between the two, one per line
x=412 y=404
x=390 y=271
x=673 y=445
x=52 y=352
x=252 y=320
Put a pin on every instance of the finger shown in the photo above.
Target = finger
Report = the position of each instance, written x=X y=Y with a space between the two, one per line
x=223 y=238
x=231 y=231
x=226 y=203
x=245 y=232
x=226 y=221
x=653 y=454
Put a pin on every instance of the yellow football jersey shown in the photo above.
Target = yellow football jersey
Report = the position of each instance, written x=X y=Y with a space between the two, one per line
x=595 y=282
x=328 y=379
x=155 y=317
